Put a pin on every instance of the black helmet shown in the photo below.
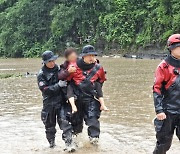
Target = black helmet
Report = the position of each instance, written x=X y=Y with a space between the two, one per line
x=88 y=50
x=48 y=56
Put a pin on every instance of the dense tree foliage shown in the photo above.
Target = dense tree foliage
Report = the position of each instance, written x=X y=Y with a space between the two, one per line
x=28 y=27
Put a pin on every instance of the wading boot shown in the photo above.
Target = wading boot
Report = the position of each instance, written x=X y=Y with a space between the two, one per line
x=70 y=147
x=94 y=140
x=52 y=144
x=75 y=141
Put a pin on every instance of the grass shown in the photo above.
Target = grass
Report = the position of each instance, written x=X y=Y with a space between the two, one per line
x=5 y=76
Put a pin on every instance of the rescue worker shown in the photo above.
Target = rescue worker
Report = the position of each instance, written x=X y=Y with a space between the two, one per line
x=87 y=73
x=166 y=92
x=54 y=105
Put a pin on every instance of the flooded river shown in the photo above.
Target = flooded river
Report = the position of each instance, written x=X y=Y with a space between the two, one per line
x=126 y=129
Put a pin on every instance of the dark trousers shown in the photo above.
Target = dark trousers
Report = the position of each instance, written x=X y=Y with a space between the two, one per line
x=52 y=114
x=90 y=111
x=77 y=122
x=164 y=132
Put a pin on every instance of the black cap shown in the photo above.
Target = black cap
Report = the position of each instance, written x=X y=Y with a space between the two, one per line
x=88 y=50
x=48 y=56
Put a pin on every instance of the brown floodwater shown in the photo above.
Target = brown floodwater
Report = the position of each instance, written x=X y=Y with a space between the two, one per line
x=127 y=128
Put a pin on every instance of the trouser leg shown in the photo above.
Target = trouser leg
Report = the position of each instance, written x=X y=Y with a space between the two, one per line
x=77 y=128
x=92 y=114
x=65 y=124
x=48 y=117
x=77 y=119
x=164 y=134
x=93 y=127
x=178 y=127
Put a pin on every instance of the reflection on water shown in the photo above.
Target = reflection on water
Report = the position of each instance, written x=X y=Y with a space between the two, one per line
x=127 y=128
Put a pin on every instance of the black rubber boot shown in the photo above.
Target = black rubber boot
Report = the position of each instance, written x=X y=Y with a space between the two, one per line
x=52 y=144
x=70 y=147
x=94 y=140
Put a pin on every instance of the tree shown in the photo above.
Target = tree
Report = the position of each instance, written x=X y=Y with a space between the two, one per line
x=28 y=27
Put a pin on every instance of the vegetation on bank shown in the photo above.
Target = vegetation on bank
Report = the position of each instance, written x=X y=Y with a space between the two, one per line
x=5 y=76
x=28 y=27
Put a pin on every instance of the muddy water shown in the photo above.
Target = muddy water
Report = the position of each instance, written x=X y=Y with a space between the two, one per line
x=127 y=128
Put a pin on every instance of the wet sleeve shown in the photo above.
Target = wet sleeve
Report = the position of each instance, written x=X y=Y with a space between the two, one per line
x=63 y=74
x=43 y=86
x=102 y=75
x=157 y=94
x=98 y=87
x=41 y=82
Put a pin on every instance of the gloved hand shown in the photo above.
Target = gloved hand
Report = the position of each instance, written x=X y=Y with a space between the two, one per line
x=62 y=83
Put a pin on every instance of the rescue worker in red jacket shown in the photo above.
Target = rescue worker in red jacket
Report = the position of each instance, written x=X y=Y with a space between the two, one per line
x=166 y=92
x=87 y=73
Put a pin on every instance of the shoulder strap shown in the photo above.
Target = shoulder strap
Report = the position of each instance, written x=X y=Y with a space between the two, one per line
x=94 y=70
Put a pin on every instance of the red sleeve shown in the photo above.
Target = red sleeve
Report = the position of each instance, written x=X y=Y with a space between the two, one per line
x=69 y=78
x=102 y=75
x=159 y=79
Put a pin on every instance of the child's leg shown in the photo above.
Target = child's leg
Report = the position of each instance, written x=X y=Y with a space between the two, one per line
x=73 y=105
x=70 y=95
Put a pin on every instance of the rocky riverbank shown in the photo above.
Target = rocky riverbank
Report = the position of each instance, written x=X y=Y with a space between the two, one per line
x=138 y=56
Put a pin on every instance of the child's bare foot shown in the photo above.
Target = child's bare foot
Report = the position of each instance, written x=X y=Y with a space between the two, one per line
x=74 y=109
x=104 y=108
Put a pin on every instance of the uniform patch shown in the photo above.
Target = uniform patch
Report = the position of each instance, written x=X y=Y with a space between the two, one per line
x=41 y=84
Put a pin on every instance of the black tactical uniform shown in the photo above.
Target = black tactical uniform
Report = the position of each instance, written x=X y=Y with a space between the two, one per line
x=84 y=79
x=54 y=105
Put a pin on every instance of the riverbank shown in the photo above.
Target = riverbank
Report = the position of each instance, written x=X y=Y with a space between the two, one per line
x=6 y=72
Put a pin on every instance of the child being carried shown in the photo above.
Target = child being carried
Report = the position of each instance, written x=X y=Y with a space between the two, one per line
x=67 y=68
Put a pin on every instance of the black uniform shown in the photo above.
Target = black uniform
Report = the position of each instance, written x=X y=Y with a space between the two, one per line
x=54 y=105
x=89 y=107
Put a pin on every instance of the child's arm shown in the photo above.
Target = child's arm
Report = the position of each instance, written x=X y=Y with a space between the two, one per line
x=64 y=73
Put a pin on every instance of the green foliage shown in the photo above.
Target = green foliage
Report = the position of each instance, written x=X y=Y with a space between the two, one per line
x=29 y=27
x=5 y=76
